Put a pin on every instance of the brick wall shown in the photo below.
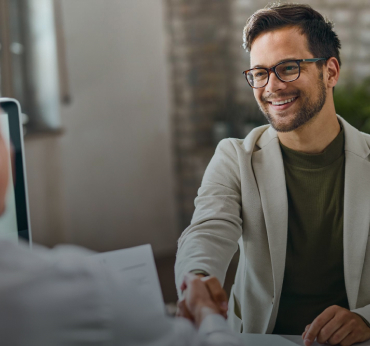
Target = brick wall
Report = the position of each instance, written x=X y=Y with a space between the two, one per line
x=199 y=55
x=210 y=97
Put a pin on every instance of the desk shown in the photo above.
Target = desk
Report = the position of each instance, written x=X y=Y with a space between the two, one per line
x=279 y=340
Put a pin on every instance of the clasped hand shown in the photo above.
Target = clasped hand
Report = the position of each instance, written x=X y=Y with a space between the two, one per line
x=201 y=297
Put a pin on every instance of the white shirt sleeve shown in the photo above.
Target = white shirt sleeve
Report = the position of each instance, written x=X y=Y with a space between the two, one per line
x=63 y=298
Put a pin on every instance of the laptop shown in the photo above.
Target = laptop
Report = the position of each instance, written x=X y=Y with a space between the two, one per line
x=15 y=221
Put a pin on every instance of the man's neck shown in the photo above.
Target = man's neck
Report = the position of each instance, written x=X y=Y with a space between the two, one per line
x=314 y=136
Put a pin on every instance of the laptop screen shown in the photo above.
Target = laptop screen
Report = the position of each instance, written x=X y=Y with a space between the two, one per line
x=14 y=222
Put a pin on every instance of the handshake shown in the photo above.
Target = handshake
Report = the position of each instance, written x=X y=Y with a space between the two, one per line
x=201 y=297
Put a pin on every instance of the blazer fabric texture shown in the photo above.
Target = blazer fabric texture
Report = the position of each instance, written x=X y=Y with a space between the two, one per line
x=243 y=201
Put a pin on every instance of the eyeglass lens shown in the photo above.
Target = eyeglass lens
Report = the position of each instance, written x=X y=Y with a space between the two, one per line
x=287 y=71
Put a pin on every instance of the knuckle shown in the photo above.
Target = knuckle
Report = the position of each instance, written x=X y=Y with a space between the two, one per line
x=352 y=323
x=334 y=340
x=344 y=313
x=211 y=279
x=320 y=339
x=333 y=308
x=319 y=320
x=324 y=334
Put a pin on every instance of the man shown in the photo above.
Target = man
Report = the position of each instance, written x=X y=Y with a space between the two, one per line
x=61 y=297
x=293 y=194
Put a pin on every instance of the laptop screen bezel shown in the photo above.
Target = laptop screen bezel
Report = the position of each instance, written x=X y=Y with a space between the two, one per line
x=13 y=109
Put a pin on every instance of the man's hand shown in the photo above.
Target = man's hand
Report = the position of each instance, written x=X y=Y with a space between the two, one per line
x=217 y=293
x=336 y=326
x=201 y=297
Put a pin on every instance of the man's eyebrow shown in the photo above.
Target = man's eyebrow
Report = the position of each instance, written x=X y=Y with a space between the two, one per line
x=278 y=62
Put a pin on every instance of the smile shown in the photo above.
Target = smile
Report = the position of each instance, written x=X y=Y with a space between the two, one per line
x=279 y=103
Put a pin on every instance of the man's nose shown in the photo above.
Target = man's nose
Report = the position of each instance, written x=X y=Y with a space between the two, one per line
x=274 y=84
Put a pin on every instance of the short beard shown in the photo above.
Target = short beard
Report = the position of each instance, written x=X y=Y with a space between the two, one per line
x=305 y=114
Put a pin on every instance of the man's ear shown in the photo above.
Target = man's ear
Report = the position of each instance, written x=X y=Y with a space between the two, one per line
x=332 y=72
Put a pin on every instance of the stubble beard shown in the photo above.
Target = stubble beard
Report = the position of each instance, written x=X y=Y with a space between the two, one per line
x=308 y=111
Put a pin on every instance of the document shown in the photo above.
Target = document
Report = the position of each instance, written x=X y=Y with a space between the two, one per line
x=136 y=264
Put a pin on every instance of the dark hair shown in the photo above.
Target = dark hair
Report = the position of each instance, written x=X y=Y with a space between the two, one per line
x=323 y=42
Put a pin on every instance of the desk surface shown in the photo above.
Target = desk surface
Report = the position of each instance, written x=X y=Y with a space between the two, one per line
x=279 y=340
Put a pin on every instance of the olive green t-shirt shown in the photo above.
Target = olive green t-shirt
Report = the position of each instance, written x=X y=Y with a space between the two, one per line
x=314 y=273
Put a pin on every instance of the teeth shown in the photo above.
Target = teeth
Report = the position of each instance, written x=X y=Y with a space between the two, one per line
x=283 y=102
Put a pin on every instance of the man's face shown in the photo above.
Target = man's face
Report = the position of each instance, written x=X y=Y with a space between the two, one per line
x=308 y=92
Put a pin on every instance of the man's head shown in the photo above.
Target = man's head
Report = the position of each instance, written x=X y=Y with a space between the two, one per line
x=318 y=30
x=293 y=32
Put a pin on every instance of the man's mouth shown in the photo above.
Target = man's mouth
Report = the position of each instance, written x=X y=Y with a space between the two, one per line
x=283 y=102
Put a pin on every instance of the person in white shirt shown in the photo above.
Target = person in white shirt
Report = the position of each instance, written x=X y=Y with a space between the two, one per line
x=60 y=297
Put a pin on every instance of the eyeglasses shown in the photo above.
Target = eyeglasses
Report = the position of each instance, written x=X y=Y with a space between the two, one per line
x=286 y=71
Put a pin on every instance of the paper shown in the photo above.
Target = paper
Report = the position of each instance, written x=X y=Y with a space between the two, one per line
x=279 y=340
x=136 y=264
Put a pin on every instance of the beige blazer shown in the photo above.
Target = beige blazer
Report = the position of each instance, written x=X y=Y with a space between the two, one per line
x=243 y=200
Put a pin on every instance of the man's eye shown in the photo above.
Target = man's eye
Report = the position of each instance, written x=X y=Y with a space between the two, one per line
x=260 y=74
x=290 y=68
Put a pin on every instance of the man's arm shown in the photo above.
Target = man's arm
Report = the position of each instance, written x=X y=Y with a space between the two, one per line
x=209 y=243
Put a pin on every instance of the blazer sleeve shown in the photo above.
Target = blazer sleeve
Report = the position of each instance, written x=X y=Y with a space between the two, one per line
x=210 y=241
x=364 y=313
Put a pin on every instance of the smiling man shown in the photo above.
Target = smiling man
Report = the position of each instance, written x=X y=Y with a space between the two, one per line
x=293 y=194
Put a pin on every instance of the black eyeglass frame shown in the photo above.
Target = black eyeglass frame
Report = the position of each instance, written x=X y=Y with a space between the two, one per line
x=273 y=69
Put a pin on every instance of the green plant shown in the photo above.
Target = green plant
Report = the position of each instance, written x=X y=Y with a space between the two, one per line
x=352 y=102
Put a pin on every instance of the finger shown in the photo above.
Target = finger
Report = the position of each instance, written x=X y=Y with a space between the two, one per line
x=319 y=322
x=305 y=331
x=182 y=311
x=336 y=326
x=339 y=336
x=186 y=281
x=183 y=286
x=180 y=308
x=216 y=291
x=217 y=294
x=350 y=339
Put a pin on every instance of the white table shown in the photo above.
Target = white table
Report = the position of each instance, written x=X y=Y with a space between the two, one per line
x=279 y=340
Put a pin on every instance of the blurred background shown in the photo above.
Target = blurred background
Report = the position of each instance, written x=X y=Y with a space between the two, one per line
x=124 y=102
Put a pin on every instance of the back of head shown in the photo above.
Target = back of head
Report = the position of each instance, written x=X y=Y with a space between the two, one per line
x=323 y=42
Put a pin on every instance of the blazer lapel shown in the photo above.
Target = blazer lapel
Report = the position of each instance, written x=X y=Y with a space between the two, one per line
x=356 y=218
x=269 y=172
